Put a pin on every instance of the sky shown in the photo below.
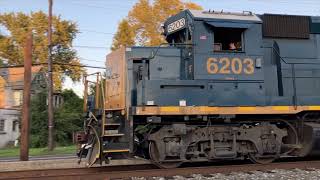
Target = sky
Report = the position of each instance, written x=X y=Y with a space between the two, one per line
x=97 y=20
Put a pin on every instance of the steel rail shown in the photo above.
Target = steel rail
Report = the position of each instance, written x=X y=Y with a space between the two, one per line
x=127 y=172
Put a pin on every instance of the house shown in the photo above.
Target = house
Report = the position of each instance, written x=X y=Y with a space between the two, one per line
x=11 y=97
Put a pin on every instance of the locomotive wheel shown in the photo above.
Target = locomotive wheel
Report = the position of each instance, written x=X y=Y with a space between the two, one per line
x=261 y=160
x=154 y=156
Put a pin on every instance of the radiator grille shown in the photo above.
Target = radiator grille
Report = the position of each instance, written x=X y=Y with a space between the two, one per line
x=286 y=26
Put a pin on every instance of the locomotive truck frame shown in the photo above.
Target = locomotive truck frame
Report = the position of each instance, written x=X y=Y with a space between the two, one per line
x=193 y=99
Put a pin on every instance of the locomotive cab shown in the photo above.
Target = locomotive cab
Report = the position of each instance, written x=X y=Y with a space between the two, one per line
x=223 y=73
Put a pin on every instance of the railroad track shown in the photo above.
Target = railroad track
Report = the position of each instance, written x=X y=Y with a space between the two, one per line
x=126 y=172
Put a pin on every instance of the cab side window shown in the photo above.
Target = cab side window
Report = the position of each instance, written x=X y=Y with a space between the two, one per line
x=182 y=36
x=228 y=39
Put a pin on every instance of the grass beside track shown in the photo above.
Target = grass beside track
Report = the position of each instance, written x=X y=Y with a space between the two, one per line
x=14 y=152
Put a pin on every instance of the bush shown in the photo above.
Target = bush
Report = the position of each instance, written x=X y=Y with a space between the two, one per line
x=67 y=119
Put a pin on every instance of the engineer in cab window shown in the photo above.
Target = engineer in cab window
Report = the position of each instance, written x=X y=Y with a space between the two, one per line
x=235 y=46
x=232 y=46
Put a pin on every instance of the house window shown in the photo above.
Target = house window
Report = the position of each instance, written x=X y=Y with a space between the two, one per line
x=17 y=98
x=14 y=125
x=57 y=101
x=2 y=124
x=38 y=78
x=228 y=39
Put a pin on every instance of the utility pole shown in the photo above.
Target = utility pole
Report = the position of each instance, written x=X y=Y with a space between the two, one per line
x=50 y=84
x=25 y=124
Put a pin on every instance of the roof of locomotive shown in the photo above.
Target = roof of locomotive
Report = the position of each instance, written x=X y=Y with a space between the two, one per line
x=274 y=25
x=220 y=15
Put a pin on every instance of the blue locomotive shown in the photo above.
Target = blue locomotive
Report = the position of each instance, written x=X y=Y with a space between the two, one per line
x=224 y=86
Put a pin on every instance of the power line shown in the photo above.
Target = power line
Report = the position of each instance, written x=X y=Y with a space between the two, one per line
x=80 y=29
x=100 y=1
x=15 y=74
x=85 y=59
x=81 y=46
x=97 y=6
x=98 y=32
x=55 y=63
x=87 y=66
x=90 y=47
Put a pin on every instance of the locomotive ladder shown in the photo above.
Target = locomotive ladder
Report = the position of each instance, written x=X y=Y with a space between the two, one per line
x=112 y=140
x=112 y=129
x=114 y=136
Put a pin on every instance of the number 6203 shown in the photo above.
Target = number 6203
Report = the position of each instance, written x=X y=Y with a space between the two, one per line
x=227 y=66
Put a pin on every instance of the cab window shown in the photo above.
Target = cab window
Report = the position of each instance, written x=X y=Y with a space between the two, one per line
x=182 y=36
x=228 y=39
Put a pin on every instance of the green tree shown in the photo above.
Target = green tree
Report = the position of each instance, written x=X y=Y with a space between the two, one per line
x=124 y=36
x=39 y=122
x=67 y=119
x=146 y=17
x=18 y=25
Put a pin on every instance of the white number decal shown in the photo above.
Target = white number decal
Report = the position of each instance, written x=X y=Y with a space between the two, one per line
x=176 y=25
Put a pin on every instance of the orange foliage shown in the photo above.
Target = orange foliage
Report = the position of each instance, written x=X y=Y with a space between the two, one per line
x=194 y=6
x=146 y=17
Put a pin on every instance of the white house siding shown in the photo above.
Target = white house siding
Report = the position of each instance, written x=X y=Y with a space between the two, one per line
x=8 y=135
x=12 y=98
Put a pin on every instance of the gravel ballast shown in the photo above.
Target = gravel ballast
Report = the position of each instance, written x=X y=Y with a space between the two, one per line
x=277 y=174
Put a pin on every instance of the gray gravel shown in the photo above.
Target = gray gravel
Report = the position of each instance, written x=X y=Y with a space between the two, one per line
x=277 y=174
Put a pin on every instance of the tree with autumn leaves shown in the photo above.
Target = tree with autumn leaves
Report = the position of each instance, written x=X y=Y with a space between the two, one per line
x=12 y=40
x=143 y=23
x=124 y=36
